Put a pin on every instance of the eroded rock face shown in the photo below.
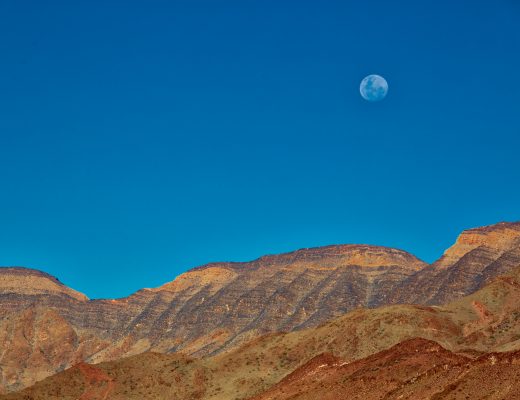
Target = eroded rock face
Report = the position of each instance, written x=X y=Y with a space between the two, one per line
x=48 y=327
x=477 y=257
x=399 y=351
x=29 y=282
x=220 y=305
x=36 y=337
x=39 y=342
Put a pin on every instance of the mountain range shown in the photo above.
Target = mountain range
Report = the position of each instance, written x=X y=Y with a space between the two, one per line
x=240 y=330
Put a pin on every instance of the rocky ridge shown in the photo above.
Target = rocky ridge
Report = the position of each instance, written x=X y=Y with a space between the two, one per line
x=477 y=256
x=219 y=306
x=31 y=282
x=468 y=348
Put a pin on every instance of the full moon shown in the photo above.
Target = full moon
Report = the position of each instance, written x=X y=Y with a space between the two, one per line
x=373 y=88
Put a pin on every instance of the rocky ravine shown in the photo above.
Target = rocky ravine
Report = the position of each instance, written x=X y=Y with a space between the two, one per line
x=46 y=327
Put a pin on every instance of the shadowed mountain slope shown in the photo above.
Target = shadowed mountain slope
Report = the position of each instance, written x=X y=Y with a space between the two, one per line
x=207 y=309
x=47 y=327
x=327 y=357
x=477 y=256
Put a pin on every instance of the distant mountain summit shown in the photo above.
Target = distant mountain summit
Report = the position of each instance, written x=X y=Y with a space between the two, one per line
x=477 y=256
x=31 y=282
x=218 y=306
x=502 y=236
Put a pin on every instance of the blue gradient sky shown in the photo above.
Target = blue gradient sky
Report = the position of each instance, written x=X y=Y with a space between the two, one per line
x=139 y=139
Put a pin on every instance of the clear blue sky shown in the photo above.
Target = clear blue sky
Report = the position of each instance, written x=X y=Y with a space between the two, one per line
x=141 y=138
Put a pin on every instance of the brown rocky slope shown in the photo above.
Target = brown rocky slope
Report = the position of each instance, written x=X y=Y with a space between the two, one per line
x=324 y=361
x=206 y=309
x=477 y=256
x=47 y=327
x=416 y=369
